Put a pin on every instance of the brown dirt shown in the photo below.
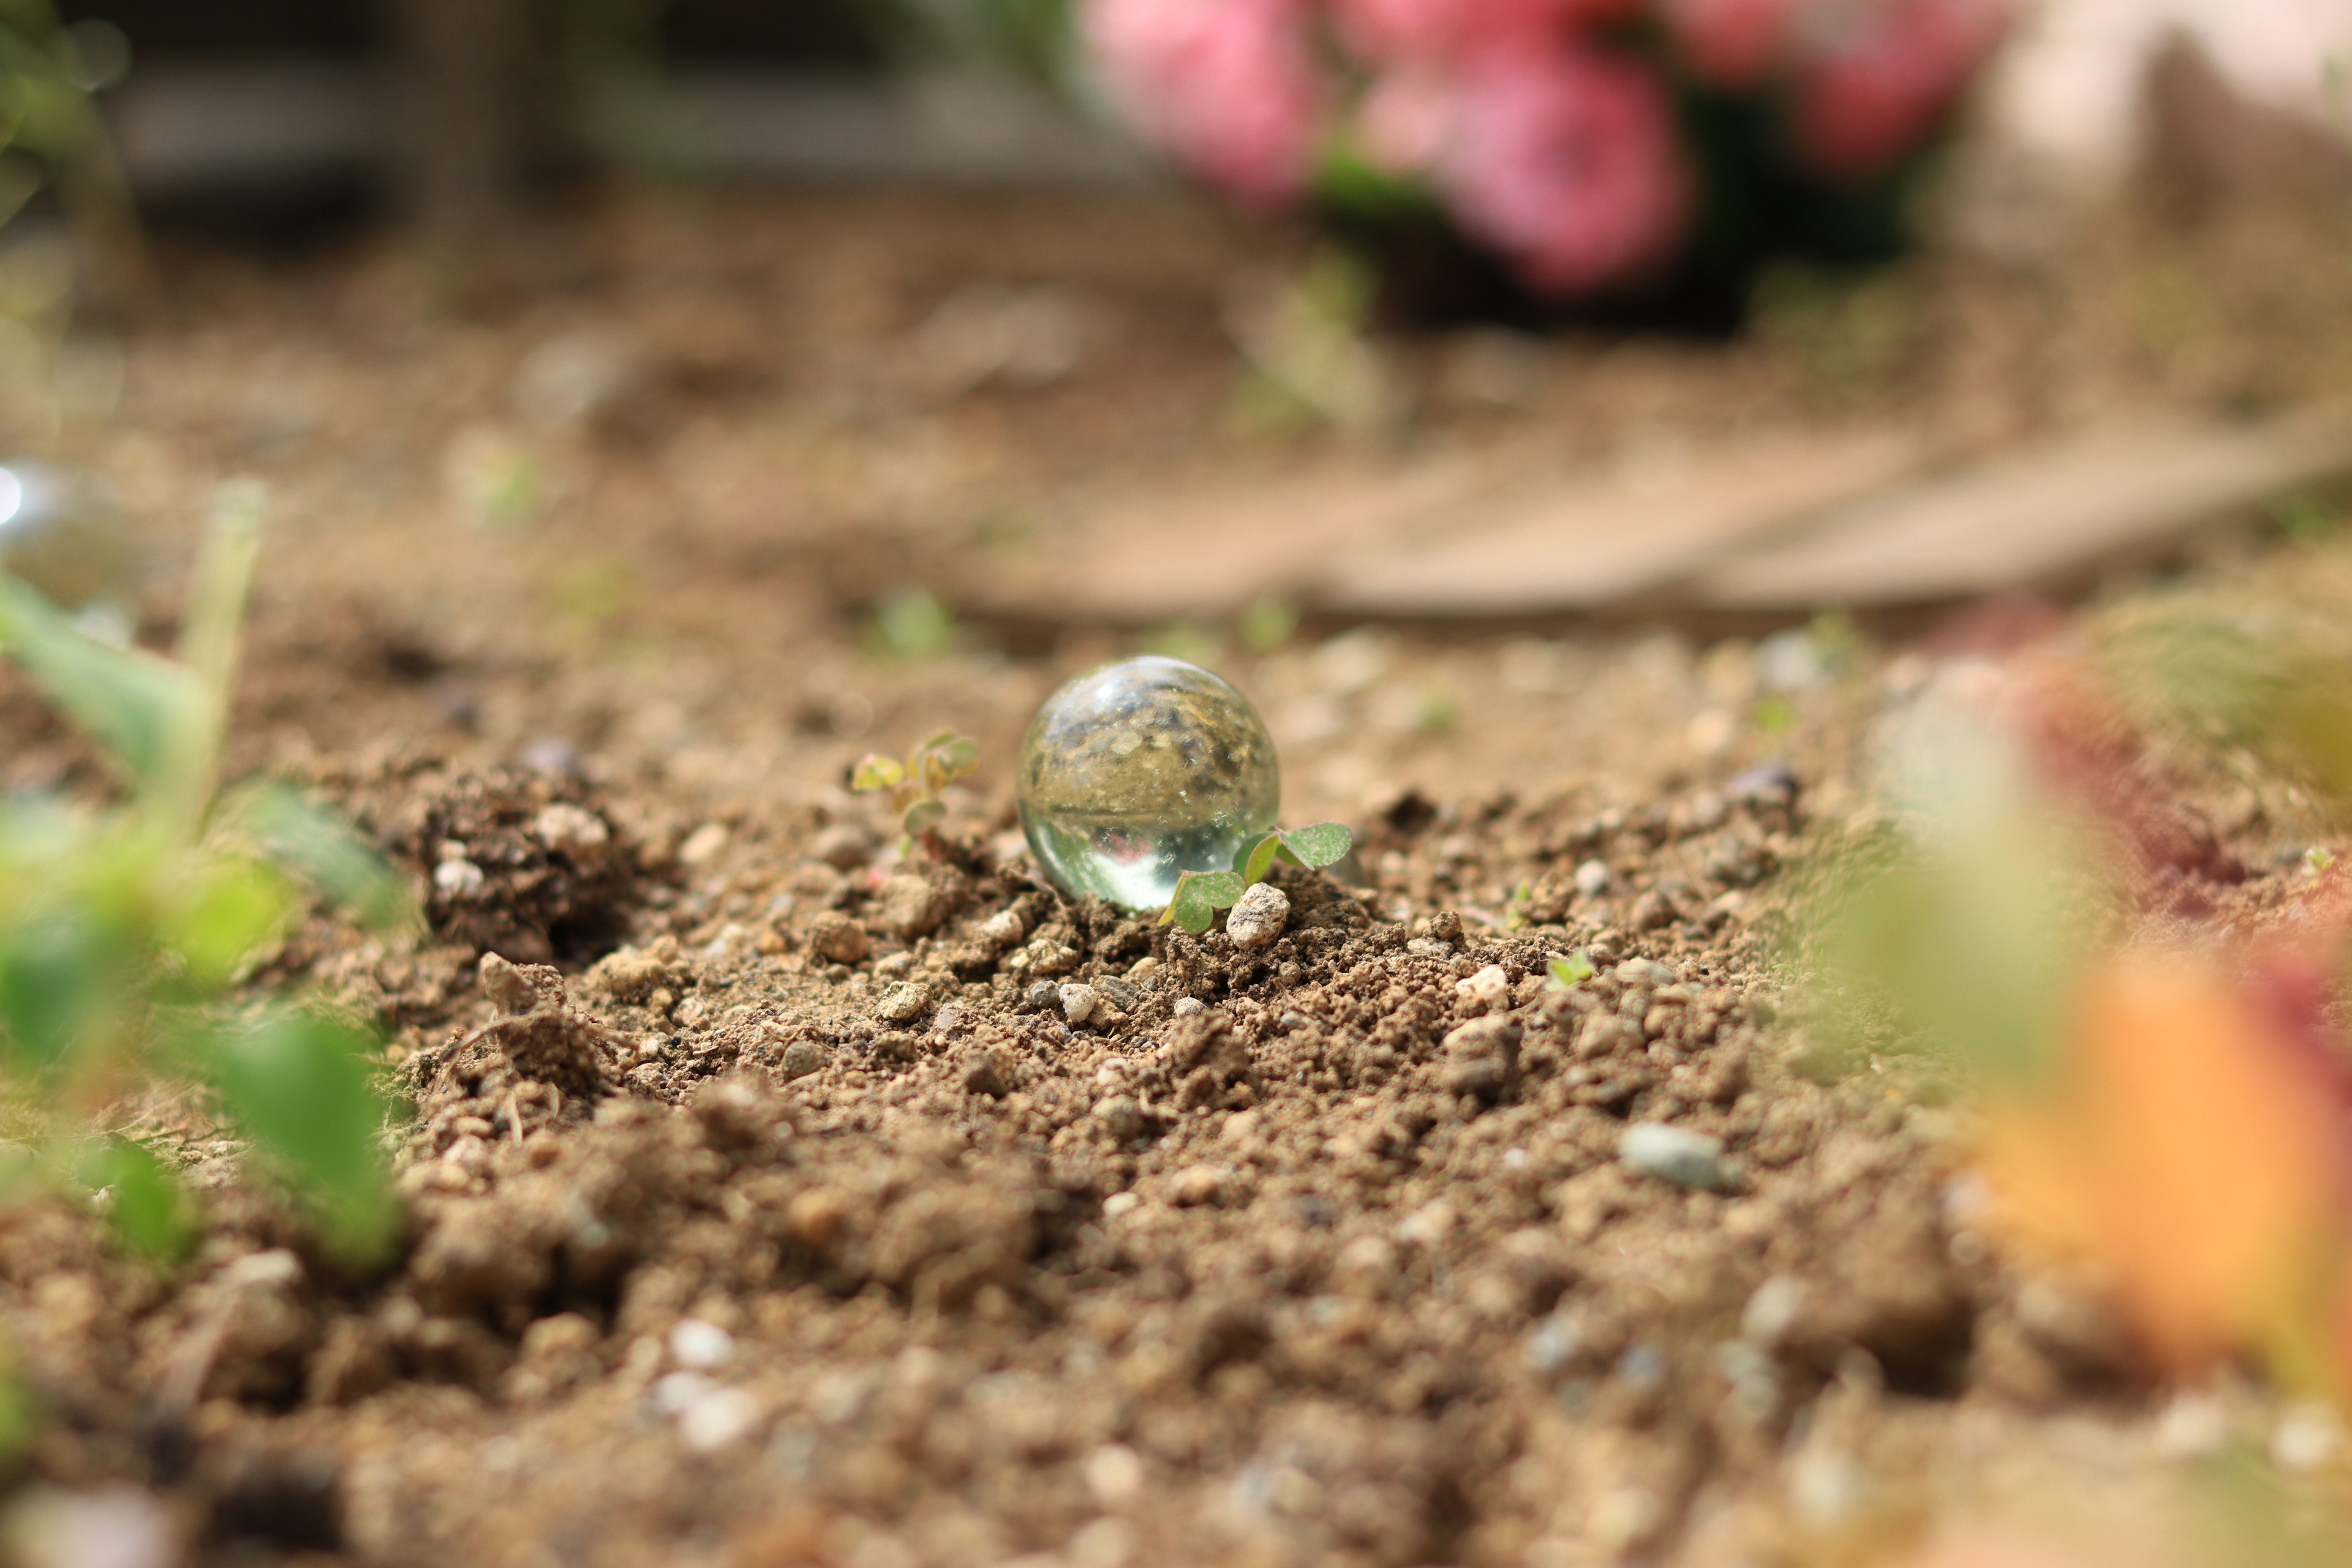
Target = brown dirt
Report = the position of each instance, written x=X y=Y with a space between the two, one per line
x=778 y=1221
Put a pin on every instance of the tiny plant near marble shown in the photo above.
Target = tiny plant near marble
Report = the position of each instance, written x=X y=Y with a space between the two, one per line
x=1201 y=894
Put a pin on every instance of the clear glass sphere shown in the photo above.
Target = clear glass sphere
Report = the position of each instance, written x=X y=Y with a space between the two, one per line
x=60 y=532
x=1136 y=773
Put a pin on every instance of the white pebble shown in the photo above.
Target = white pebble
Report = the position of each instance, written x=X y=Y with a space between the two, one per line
x=1490 y=985
x=1675 y=1154
x=700 y=1345
x=1078 y=1001
x=717 y=1419
x=456 y=879
x=675 y=1393
x=1258 y=918
x=1592 y=878
x=702 y=846
x=1188 y=1006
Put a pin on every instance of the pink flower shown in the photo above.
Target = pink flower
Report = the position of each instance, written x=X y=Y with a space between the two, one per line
x=1879 y=92
x=1405 y=120
x=1566 y=161
x=1427 y=33
x=1228 y=87
x=1732 y=43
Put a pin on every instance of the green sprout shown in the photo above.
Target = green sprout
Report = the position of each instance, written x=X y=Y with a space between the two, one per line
x=915 y=783
x=129 y=934
x=1201 y=894
x=913 y=625
x=1569 y=973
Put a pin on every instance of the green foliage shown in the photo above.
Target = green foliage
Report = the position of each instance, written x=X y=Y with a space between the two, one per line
x=123 y=929
x=915 y=783
x=1268 y=623
x=913 y=625
x=1201 y=894
x=1569 y=973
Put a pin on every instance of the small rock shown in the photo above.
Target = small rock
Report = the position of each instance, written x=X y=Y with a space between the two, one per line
x=1773 y=1313
x=1078 y=1001
x=702 y=846
x=1188 y=1006
x=1429 y=947
x=1198 y=1184
x=951 y=1017
x=1646 y=972
x=717 y=1419
x=1125 y=996
x=700 y=1344
x=1258 y=918
x=1044 y=995
x=911 y=906
x=1490 y=986
x=458 y=878
x=800 y=1058
x=570 y=830
x=1772 y=784
x=845 y=847
x=1118 y=1204
x=838 y=939
x=1121 y=1117
x=114 y=1527
x=1001 y=930
x=1592 y=878
x=1675 y=1155
x=903 y=1003
x=1115 y=1472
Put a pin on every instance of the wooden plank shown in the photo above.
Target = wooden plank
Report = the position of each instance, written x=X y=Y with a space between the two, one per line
x=2040 y=519
x=1601 y=541
x=1207 y=554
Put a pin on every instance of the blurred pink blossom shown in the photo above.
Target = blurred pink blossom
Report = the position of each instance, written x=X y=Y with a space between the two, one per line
x=1875 y=93
x=1449 y=32
x=1566 y=161
x=1405 y=120
x=1732 y=43
x=1228 y=87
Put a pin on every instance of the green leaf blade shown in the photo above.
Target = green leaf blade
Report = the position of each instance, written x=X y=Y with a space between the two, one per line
x=318 y=846
x=1321 y=845
x=151 y=717
x=301 y=1087
x=1261 y=859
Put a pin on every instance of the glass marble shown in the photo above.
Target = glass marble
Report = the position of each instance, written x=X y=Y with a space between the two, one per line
x=1136 y=773
x=59 y=534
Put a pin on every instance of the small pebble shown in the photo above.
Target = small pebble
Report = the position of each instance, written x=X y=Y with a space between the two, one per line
x=1078 y=1001
x=700 y=1344
x=1491 y=986
x=1643 y=971
x=1675 y=1155
x=1043 y=994
x=1592 y=878
x=1188 y=1006
x=903 y=1003
x=800 y=1058
x=457 y=879
x=1002 y=929
x=1118 y=1204
x=718 y=1418
x=950 y=1017
x=1774 y=782
x=1122 y=994
x=1258 y=918
x=1429 y=947
x=702 y=846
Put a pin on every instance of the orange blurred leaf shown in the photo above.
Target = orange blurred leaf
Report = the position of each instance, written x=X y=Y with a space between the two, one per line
x=2190 y=1158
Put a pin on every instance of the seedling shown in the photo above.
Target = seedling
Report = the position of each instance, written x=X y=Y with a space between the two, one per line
x=1569 y=973
x=126 y=934
x=915 y=783
x=1201 y=894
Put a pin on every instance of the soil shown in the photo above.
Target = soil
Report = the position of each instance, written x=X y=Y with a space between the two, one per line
x=772 y=1197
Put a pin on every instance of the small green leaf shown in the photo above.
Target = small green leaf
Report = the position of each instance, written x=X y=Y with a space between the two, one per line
x=877 y=774
x=922 y=816
x=1571 y=972
x=1199 y=896
x=318 y=846
x=64 y=974
x=1261 y=858
x=152 y=716
x=962 y=755
x=1320 y=844
x=1221 y=889
x=228 y=911
x=144 y=1202
x=302 y=1088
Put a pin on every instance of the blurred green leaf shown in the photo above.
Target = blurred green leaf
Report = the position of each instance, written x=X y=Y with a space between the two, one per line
x=1572 y=971
x=1322 y=844
x=1268 y=623
x=922 y=816
x=877 y=774
x=63 y=976
x=914 y=624
x=1259 y=859
x=318 y=845
x=152 y=716
x=144 y=1202
x=232 y=909
x=302 y=1088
